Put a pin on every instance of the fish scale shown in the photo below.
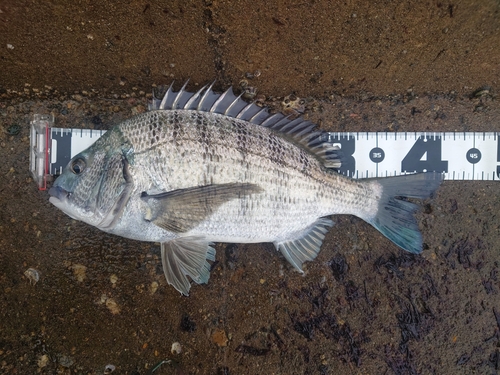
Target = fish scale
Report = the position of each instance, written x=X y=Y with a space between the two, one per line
x=203 y=167
x=234 y=164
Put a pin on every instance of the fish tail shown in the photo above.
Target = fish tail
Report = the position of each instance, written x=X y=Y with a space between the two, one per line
x=394 y=218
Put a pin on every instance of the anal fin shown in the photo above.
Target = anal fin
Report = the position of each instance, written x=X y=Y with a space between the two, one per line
x=306 y=244
x=187 y=256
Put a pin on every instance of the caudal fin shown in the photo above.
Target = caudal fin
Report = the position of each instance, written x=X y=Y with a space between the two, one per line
x=394 y=217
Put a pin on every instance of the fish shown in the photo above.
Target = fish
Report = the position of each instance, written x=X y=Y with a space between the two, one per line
x=204 y=167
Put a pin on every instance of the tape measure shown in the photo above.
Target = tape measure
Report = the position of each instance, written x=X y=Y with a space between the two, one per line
x=459 y=156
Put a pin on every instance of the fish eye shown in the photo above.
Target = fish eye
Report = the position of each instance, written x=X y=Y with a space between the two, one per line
x=78 y=166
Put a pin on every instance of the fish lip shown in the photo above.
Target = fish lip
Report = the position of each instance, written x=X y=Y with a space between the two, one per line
x=58 y=193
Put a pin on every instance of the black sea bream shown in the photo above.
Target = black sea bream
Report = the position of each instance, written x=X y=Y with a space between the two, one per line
x=205 y=167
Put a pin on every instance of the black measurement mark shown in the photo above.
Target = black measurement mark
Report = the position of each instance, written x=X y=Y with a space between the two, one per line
x=347 y=146
x=377 y=155
x=424 y=156
x=62 y=151
x=473 y=156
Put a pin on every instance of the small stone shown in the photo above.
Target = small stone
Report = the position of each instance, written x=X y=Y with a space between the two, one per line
x=79 y=271
x=153 y=287
x=66 y=361
x=33 y=275
x=43 y=361
x=112 y=306
x=176 y=348
x=138 y=109
x=113 y=279
x=109 y=369
x=219 y=337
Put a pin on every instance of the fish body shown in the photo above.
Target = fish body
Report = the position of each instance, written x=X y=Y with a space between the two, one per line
x=203 y=167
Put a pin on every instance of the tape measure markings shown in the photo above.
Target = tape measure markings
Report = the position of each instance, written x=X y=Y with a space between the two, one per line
x=460 y=156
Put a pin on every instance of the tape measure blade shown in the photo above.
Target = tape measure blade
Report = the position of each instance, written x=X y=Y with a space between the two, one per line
x=83 y=138
x=365 y=143
x=60 y=149
x=66 y=143
x=484 y=156
x=398 y=146
x=463 y=156
x=392 y=146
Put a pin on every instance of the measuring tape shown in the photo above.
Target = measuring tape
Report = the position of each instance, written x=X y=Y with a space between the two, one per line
x=459 y=156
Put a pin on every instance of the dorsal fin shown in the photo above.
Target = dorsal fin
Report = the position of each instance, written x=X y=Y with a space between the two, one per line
x=228 y=104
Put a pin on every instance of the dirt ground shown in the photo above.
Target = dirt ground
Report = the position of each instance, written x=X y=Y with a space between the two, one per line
x=363 y=306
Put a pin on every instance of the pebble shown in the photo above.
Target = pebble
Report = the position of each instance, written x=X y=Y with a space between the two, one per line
x=109 y=369
x=138 y=109
x=65 y=361
x=113 y=306
x=43 y=361
x=219 y=337
x=176 y=348
x=110 y=303
x=153 y=287
x=113 y=279
x=33 y=275
x=79 y=271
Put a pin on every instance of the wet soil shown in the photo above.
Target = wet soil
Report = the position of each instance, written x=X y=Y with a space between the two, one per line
x=363 y=306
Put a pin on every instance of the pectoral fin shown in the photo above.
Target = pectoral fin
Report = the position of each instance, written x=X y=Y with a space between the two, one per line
x=184 y=257
x=181 y=210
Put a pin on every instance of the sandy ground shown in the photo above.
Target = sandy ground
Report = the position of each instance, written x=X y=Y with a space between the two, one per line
x=364 y=306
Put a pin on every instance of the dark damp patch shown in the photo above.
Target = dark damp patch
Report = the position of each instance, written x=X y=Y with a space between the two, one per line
x=400 y=363
x=246 y=349
x=463 y=250
x=414 y=321
x=231 y=253
x=394 y=264
x=187 y=324
x=321 y=321
x=339 y=267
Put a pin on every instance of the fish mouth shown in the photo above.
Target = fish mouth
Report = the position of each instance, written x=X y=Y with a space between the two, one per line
x=57 y=192
x=59 y=198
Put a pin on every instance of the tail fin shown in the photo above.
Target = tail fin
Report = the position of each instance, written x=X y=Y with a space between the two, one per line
x=394 y=217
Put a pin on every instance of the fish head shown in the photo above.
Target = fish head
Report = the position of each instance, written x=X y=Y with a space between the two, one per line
x=95 y=185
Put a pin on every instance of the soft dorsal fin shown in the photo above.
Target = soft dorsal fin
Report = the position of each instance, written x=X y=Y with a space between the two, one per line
x=228 y=104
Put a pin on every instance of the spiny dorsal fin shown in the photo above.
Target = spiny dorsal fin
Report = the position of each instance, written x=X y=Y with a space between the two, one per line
x=228 y=104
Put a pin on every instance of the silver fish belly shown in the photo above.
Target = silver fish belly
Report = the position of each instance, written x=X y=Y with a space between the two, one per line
x=205 y=167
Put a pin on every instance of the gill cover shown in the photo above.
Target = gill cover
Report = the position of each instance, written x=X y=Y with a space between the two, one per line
x=96 y=184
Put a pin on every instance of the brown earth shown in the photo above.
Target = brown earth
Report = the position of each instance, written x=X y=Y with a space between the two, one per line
x=364 y=306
